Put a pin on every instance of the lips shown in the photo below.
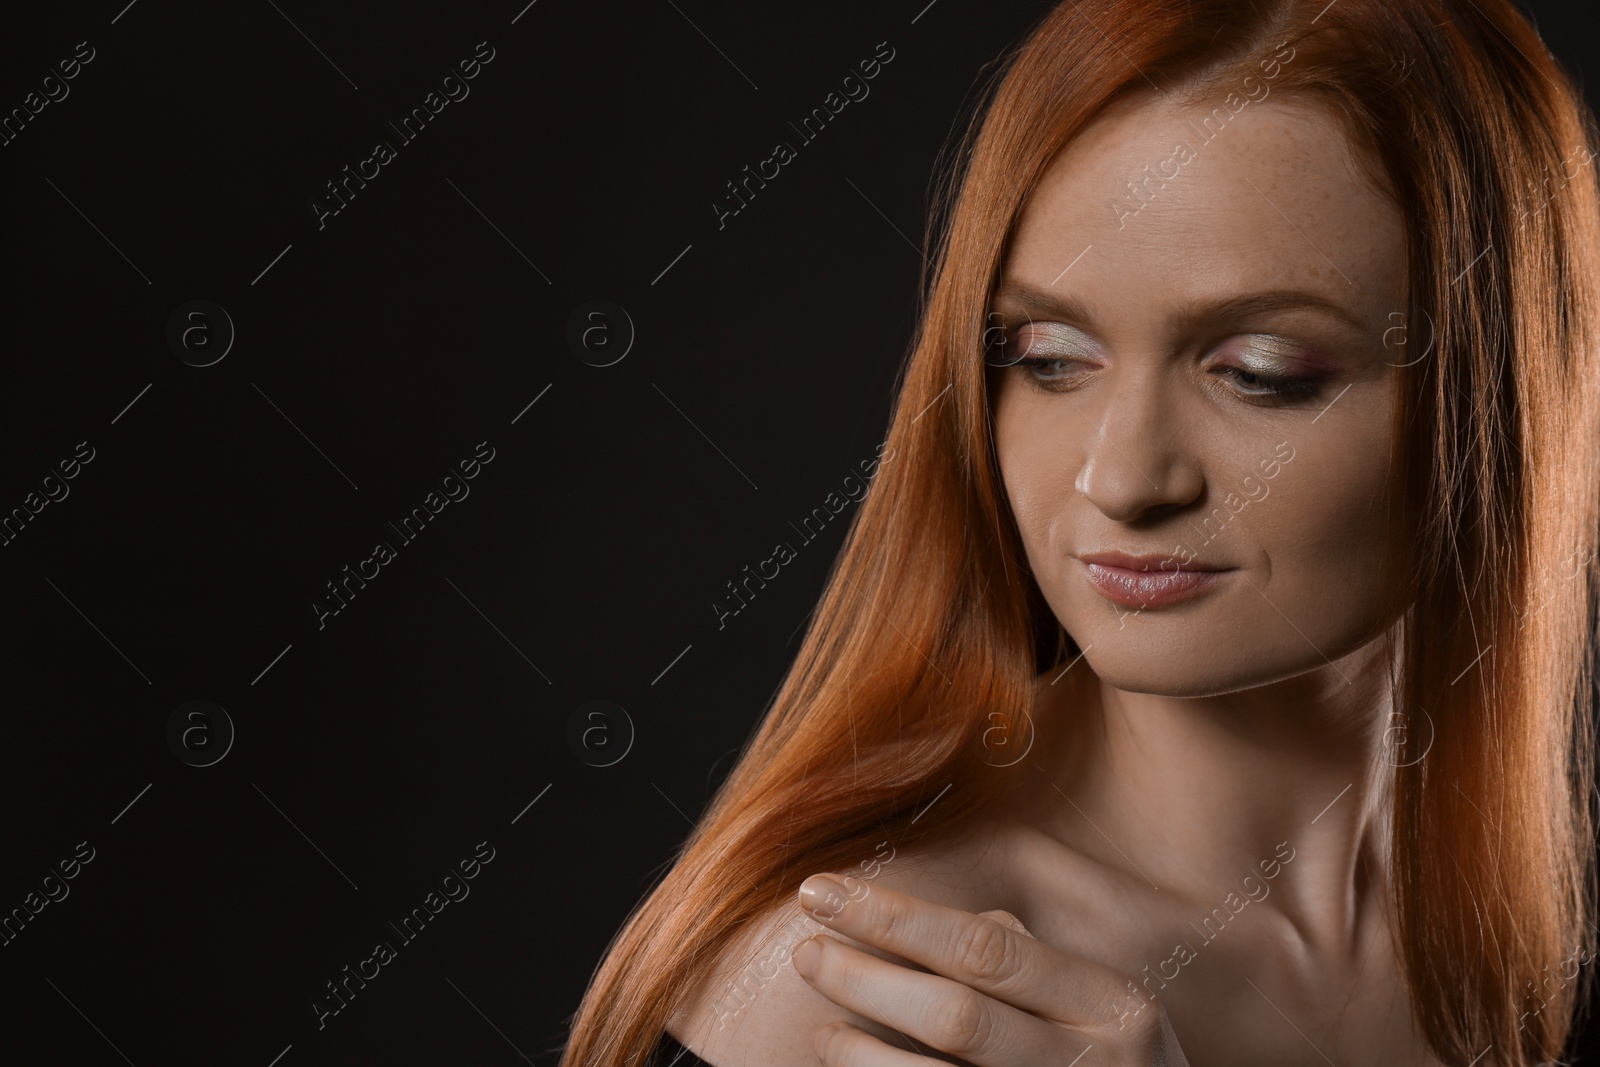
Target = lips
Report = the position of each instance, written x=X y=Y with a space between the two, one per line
x=1141 y=581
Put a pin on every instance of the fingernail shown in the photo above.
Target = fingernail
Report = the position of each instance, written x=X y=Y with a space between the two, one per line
x=822 y=895
x=805 y=957
x=819 y=1040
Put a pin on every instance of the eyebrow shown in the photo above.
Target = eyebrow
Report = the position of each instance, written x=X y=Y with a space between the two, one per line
x=1243 y=305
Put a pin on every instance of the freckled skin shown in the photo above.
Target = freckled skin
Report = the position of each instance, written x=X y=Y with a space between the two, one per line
x=1197 y=743
x=1223 y=726
x=1138 y=457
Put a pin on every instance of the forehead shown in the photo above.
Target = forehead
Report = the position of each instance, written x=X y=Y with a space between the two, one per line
x=1142 y=209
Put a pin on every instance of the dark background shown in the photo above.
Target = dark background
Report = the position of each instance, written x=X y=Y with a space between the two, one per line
x=448 y=703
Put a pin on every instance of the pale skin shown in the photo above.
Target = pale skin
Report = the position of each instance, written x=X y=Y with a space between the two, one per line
x=1224 y=757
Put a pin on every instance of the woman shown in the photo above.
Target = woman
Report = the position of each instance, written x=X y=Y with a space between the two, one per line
x=1206 y=676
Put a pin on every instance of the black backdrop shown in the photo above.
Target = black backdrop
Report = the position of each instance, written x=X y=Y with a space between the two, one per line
x=531 y=684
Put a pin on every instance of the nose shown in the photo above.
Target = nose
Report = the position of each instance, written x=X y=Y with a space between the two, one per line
x=1137 y=462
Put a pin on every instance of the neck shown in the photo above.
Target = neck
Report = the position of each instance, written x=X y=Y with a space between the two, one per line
x=1286 y=785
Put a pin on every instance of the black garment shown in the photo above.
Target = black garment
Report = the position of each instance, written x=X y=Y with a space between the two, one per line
x=669 y=1053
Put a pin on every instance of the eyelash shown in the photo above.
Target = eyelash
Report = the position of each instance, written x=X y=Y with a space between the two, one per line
x=1279 y=390
x=1284 y=389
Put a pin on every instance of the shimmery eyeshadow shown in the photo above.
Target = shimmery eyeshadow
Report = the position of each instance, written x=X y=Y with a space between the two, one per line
x=1270 y=355
x=1062 y=336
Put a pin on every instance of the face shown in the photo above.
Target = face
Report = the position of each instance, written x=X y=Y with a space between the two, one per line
x=1195 y=366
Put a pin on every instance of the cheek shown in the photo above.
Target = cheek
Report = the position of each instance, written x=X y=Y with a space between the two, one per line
x=1038 y=456
x=1322 y=528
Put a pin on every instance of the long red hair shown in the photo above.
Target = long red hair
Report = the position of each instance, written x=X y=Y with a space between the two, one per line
x=930 y=632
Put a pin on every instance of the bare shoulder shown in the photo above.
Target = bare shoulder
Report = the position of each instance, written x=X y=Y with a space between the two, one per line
x=752 y=1008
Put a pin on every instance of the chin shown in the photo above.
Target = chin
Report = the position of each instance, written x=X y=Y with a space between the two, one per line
x=1149 y=670
x=1178 y=656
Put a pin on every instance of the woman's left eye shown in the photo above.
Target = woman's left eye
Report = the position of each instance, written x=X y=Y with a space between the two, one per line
x=1256 y=384
x=1262 y=356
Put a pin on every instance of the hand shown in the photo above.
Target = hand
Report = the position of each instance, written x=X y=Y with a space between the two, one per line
x=997 y=997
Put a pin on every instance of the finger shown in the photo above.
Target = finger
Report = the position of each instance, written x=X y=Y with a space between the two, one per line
x=929 y=1009
x=842 y=1045
x=1005 y=918
x=974 y=950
